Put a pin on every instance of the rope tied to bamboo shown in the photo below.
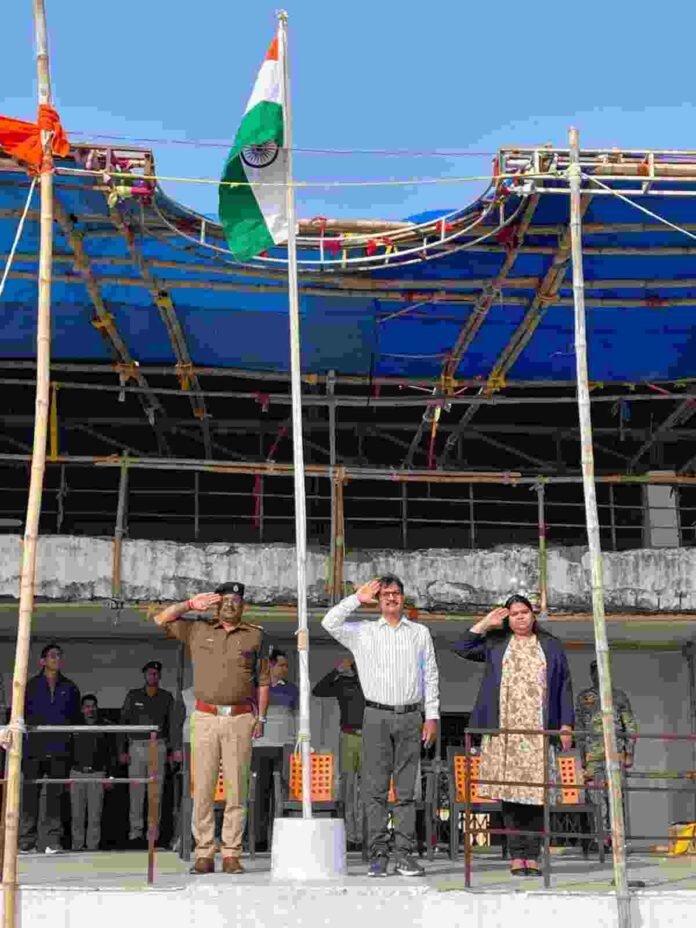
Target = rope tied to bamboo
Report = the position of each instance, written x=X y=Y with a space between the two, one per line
x=11 y=731
x=103 y=322
x=126 y=370
x=185 y=371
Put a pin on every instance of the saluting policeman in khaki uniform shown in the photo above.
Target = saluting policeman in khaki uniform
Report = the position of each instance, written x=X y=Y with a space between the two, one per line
x=229 y=664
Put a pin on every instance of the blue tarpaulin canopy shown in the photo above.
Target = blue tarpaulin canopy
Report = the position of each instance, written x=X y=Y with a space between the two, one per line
x=384 y=320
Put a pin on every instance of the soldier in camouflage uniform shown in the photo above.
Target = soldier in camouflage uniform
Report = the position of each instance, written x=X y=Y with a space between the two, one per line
x=588 y=717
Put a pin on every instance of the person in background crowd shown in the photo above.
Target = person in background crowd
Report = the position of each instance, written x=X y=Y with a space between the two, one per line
x=230 y=668
x=51 y=699
x=147 y=705
x=343 y=684
x=526 y=684
x=280 y=731
x=398 y=672
x=588 y=717
x=90 y=760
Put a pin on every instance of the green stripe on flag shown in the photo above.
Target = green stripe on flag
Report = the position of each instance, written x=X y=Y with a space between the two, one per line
x=243 y=221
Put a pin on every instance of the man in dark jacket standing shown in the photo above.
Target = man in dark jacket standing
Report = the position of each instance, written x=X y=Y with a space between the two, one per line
x=148 y=705
x=344 y=685
x=51 y=699
x=91 y=760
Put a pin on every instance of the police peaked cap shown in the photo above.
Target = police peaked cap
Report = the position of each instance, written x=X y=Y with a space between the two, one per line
x=155 y=664
x=233 y=587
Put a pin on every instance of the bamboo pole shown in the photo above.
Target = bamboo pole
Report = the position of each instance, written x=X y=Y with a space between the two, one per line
x=282 y=399
x=304 y=733
x=38 y=462
x=543 y=553
x=273 y=469
x=119 y=532
x=593 y=538
x=339 y=534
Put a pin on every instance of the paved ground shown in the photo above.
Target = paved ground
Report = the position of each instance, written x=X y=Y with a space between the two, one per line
x=127 y=870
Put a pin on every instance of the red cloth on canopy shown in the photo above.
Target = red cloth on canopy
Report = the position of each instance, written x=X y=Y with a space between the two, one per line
x=22 y=139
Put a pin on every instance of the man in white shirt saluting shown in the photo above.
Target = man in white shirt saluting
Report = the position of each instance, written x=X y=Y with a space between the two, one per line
x=398 y=671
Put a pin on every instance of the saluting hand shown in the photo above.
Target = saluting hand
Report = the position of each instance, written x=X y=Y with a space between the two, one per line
x=496 y=617
x=368 y=592
x=203 y=601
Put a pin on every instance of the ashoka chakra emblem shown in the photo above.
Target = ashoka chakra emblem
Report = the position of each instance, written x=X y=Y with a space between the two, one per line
x=260 y=156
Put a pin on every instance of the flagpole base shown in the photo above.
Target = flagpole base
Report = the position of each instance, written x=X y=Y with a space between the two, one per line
x=308 y=849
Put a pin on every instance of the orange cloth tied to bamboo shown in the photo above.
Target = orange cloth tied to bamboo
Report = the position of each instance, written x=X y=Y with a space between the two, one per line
x=22 y=139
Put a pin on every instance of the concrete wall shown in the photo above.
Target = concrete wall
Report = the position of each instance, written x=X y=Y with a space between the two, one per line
x=79 y=569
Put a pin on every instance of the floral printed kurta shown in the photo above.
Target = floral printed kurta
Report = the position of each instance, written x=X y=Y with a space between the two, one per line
x=518 y=758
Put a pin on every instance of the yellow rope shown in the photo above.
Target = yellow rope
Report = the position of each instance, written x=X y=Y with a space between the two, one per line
x=411 y=182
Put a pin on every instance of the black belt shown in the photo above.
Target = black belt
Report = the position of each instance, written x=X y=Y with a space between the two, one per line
x=400 y=710
x=351 y=729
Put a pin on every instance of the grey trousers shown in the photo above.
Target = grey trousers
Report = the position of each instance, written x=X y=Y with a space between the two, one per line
x=139 y=767
x=391 y=748
x=86 y=797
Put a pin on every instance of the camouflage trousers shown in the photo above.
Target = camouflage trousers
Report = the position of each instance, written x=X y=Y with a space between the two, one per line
x=596 y=774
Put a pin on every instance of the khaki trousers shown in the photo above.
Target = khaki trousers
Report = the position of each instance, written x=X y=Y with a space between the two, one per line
x=216 y=738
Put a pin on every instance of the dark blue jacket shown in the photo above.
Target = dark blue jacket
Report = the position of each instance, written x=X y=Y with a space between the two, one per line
x=489 y=649
x=42 y=708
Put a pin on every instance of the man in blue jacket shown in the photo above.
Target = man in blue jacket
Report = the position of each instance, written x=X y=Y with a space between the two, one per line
x=51 y=699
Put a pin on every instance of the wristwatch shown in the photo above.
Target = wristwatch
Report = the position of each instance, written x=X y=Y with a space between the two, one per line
x=261 y=718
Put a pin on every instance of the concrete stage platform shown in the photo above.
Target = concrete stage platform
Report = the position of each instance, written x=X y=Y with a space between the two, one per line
x=108 y=889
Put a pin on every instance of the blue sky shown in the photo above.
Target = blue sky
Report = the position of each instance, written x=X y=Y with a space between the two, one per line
x=445 y=75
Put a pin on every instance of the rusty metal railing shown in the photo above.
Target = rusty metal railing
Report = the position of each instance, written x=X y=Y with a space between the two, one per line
x=594 y=786
x=153 y=792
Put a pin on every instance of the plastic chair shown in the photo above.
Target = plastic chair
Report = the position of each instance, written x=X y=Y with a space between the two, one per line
x=458 y=768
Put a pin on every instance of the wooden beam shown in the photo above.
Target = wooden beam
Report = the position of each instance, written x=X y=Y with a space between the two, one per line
x=545 y=296
x=103 y=320
x=188 y=378
x=681 y=415
x=473 y=323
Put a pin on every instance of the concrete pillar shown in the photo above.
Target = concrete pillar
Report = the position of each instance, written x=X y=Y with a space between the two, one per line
x=660 y=514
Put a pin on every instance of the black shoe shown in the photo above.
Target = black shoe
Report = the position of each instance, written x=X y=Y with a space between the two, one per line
x=407 y=866
x=378 y=866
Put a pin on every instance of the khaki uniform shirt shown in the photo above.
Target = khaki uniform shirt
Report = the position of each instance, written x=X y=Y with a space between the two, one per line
x=227 y=666
x=141 y=709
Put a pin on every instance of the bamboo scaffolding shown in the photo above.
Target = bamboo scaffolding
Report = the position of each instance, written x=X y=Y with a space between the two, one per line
x=347 y=379
x=443 y=297
x=275 y=469
x=188 y=379
x=591 y=514
x=368 y=286
x=38 y=462
x=282 y=399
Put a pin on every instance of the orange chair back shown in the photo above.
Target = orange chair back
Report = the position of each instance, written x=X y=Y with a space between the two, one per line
x=322 y=788
x=568 y=772
x=219 y=786
x=462 y=764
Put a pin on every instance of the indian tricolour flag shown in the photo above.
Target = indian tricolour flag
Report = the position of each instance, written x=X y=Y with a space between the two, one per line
x=255 y=217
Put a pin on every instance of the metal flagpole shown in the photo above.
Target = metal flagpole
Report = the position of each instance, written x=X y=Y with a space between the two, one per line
x=298 y=457
x=592 y=519
x=38 y=465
